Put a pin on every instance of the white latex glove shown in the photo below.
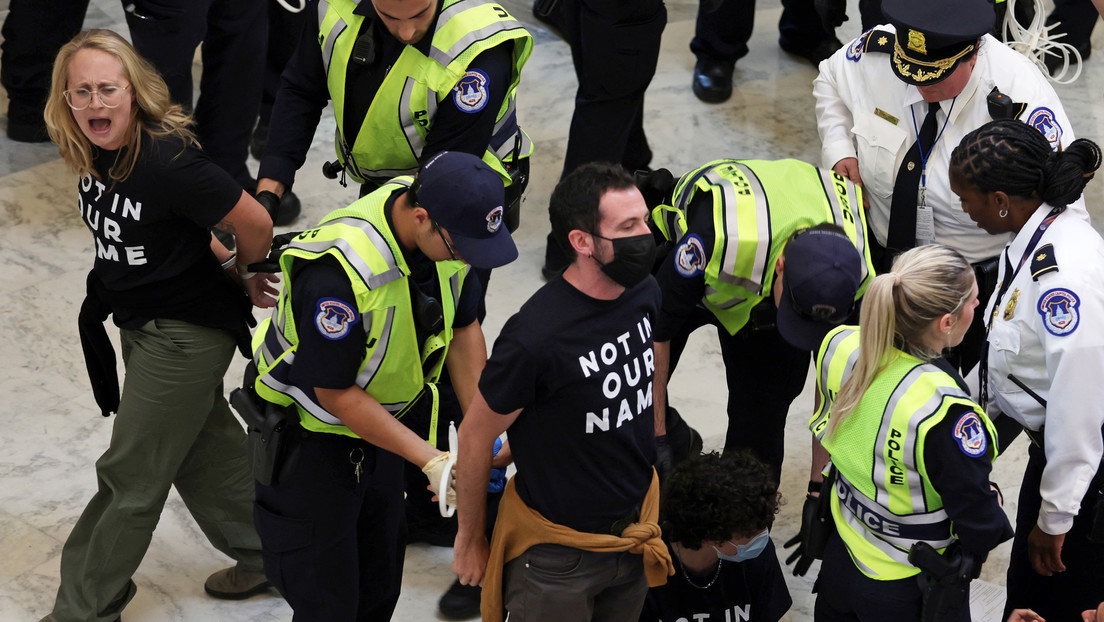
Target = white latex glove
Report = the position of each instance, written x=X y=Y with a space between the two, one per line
x=433 y=470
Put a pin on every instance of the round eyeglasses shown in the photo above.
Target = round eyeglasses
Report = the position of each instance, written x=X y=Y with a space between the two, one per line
x=110 y=96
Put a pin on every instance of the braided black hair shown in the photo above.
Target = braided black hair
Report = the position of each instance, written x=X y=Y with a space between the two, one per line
x=1013 y=157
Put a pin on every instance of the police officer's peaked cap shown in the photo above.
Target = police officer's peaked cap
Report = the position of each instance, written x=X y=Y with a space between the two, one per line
x=934 y=36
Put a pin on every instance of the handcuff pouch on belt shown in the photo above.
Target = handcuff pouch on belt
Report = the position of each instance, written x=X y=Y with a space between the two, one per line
x=944 y=579
x=268 y=427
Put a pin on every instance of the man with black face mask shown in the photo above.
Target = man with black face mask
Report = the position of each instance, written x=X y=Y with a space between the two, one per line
x=772 y=253
x=570 y=377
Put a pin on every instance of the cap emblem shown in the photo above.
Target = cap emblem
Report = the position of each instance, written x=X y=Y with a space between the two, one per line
x=916 y=42
x=494 y=219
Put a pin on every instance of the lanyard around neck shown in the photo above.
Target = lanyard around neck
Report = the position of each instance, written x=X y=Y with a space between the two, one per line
x=920 y=148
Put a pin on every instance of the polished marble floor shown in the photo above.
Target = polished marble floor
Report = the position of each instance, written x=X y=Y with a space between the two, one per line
x=53 y=434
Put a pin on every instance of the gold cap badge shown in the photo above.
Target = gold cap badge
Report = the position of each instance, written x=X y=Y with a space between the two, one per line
x=916 y=42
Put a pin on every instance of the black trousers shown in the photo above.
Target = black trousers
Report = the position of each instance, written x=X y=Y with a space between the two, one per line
x=615 y=49
x=1065 y=595
x=284 y=29
x=1076 y=18
x=33 y=32
x=332 y=544
x=722 y=35
x=234 y=34
x=764 y=374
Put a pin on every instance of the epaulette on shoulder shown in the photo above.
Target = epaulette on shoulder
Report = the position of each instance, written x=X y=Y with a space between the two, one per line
x=869 y=41
x=879 y=41
x=1043 y=261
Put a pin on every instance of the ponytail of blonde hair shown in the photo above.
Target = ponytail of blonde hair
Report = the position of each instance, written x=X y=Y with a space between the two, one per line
x=898 y=308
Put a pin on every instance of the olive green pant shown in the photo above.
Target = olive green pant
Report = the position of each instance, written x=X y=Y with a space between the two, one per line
x=173 y=427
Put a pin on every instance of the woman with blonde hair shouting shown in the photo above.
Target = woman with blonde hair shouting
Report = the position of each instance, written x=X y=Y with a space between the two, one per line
x=150 y=196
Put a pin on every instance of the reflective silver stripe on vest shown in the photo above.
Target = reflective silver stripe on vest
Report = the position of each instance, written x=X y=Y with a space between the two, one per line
x=445 y=57
x=728 y=304
x=331 y=38
x=825 y=366
x=452 y=10
x=454 y=285
x=506 y=131
x=829 y=182
x=297 y=394
x=732 y=230
x=372 y=365
x=409 y=125
x=275 y=343
x=878 y=526
x=349 y=163
x=370 y=279
x=908 y=447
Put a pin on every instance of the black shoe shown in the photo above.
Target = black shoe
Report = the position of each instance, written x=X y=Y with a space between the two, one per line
x=814 y=54
x=259 y=140
x=460 y=602
x=290 y=207
x=712 y=81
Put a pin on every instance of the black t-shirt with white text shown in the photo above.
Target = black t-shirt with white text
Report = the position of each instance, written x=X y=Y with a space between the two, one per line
x=748 y=591
x=581 y=371
x=151 y=233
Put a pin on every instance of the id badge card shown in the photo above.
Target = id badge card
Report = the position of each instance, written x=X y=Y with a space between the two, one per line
x=925 y=225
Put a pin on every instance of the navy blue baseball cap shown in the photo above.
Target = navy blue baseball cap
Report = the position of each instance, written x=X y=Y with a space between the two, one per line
x=935 y=36
x=822 y=274
x=465 y=197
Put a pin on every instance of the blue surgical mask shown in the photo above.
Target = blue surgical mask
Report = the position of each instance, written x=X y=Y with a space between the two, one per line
x=751 y=550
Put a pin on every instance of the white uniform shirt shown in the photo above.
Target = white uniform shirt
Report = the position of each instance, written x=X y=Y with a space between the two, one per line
x=856 y=92
x=1050 y=334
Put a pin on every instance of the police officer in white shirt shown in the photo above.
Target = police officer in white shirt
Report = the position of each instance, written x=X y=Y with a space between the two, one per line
x=932 y=73
x=1045 y=358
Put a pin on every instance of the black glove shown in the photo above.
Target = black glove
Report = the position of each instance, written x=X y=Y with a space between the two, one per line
x=802 y=555
x=270 y=202
x=665 y=457
x=833 y=13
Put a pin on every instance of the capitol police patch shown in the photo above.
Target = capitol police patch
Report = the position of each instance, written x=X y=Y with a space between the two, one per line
x=690 y=256
x=1059 y=310
x=494 y=219
x=1043 y=119
x=855 y=50
x=970 y=435
x=471 y=93
x=334 y=318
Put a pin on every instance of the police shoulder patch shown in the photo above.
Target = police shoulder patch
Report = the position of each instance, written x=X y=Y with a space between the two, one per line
x=690 y=256
x=1058 y=308
x=855 y=50
x=471 y=92
x=333 y=318
x=1044 y=120
x=969 y=432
